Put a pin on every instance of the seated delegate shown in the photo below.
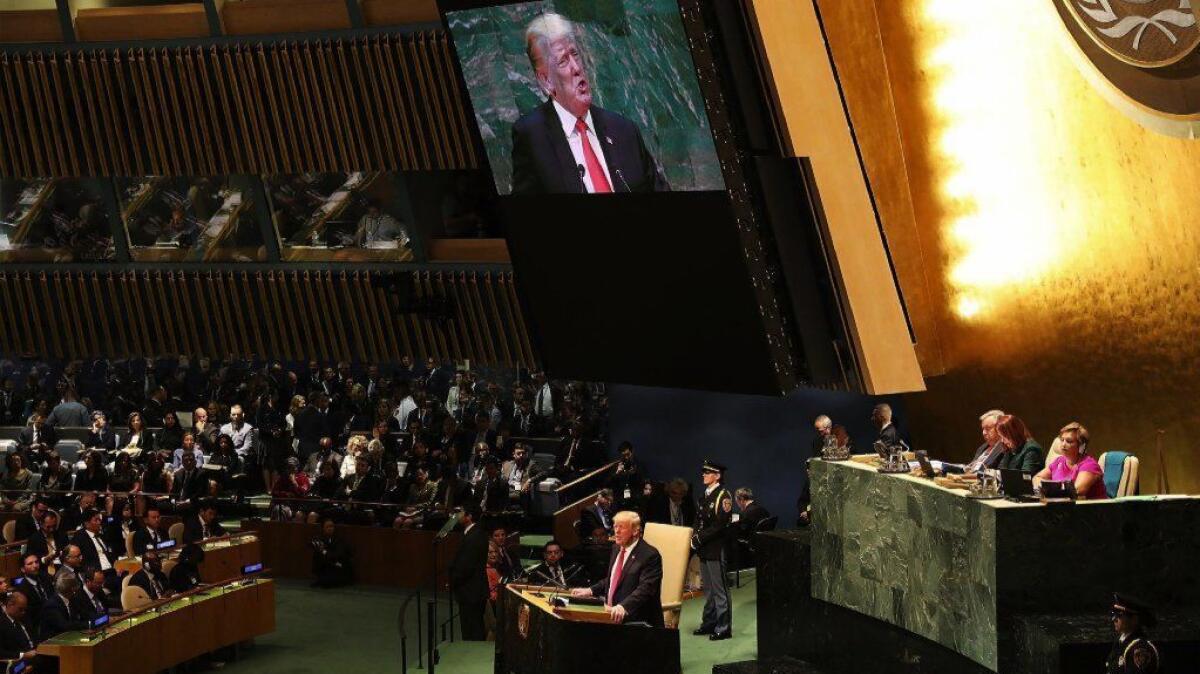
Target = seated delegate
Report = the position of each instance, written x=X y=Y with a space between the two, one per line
x=1075 y=465
x=1020 y=450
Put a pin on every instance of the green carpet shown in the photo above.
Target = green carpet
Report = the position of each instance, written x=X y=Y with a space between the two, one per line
x=357 y=629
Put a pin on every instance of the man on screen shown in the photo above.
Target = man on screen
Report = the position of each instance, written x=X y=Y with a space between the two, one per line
x=568 y=145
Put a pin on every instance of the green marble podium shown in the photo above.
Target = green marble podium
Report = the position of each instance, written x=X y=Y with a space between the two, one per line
x=957 y=571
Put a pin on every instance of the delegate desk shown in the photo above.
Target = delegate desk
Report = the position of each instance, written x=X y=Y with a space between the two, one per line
x=224 y=557
x=152 y=639
x=533 y=636
x=381 y=555
x=961 y=571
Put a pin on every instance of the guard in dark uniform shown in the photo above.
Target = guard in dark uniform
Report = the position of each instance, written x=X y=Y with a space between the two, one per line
x=714 y=515
x=1132 y=653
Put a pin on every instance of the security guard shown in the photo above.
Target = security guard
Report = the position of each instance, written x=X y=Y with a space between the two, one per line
x=1132 y=653
x=713 y=517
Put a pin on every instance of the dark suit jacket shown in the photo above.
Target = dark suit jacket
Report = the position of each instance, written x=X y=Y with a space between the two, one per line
x=14 y=642
x=142 y=579
x=590 y=520
x=193 y=531
x=36 y=600
x=194 y=487
x=106 y=438
x=468 y=568
x=36 y=544
x=640 y=588
x=143 y=541
x=25 y=528
x=543 y=163
x=1028 y=458
x=749 y=520
x=47 y=436
x=889 y=436
x=90 y=556
x=57 y=617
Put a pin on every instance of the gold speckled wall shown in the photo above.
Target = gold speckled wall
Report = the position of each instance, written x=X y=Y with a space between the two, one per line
x=1057 y=241
x=1061 y=239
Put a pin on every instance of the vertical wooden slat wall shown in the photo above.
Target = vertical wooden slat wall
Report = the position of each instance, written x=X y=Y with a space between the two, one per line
x=378 y=103
x=293 y=315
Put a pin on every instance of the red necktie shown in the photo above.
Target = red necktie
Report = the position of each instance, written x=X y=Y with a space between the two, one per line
x=616 y=579
x=599 y=180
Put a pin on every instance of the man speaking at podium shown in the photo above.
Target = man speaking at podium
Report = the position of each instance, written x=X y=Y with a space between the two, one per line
x=632 y=590
x=568 y=145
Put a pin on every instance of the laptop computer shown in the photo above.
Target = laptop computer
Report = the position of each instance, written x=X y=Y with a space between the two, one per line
x=1017 y=484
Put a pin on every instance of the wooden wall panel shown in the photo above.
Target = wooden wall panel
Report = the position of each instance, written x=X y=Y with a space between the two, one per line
x=380 y=102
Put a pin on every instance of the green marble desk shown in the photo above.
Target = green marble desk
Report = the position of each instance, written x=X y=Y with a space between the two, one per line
x=956 y=570
x=174 y=631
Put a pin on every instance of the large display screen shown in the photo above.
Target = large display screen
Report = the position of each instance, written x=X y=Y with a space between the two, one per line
x=586 y=97
x=191 y=218
x=54 y=220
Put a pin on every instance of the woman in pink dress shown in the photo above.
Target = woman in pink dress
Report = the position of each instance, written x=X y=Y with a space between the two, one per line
x=1075 y=465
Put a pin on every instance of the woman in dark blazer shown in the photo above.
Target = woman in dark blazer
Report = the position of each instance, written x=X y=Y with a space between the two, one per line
x=1020 y=450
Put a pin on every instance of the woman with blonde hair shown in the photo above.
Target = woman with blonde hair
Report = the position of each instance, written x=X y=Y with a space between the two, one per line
x=1075 y=465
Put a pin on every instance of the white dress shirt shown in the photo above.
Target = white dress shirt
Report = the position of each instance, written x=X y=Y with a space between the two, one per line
x=101 y=551
x=576 y=140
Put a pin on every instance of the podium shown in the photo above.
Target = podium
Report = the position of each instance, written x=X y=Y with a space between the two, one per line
x=533 y=636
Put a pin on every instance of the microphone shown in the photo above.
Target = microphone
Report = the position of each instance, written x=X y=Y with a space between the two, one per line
x=582 y=171
x=621 y=175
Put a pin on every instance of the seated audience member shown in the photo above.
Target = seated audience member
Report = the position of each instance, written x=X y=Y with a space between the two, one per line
x=203 y=525
x=187 y=484
x=290 y=485
x=224 y=465
x=137 y=440
x=988 y=454
x=150 y=533
x=509 y=566
x=29 y=523
x=48 y=541
x=121 y=524
x=674 y=507
x=71 y=560
x=55 y=478
x=332 y=564
x=96 y=551
x=204 y=432
x=550 y=569
x=100 y=435
x=476 y=466
x=575 y=453
x=188 y=446
x=238 y=431
x=751 y=512
x=58 y=614
x=170 y=437
x=156 y=479
x=327 y=485
x=519 y=475
x=356 y=446
x=94 y=600
x=17 y=483
x=35 y=584
x=186 y=574
x=1021 y=451
x=150 y=577
x=1075 y=465
x=599 y=514
x=93 y=476
x=16 y=642
x=325 y=454
x=491 y=492
x=36 y=433
x=365 y=485
x=123 y=478
x=72 y=515
x=495 y=573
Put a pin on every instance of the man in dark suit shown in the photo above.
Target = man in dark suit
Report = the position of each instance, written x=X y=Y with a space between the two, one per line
x=752 y=512
x=491 y=492
x=94 y=600
x=188 y=484
x=989 y=453
x=881 y=416
x=37 y=432
x=150 y=534
x=48 y=541
x=632 y=588
x=568 y=145
x=28 y=525
x=202 y=525
x=468 y=574
x=150 y=577
x=35 y=584
x=95 y=551
x=59 y=614
x=598 y=515
x=16 y=642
